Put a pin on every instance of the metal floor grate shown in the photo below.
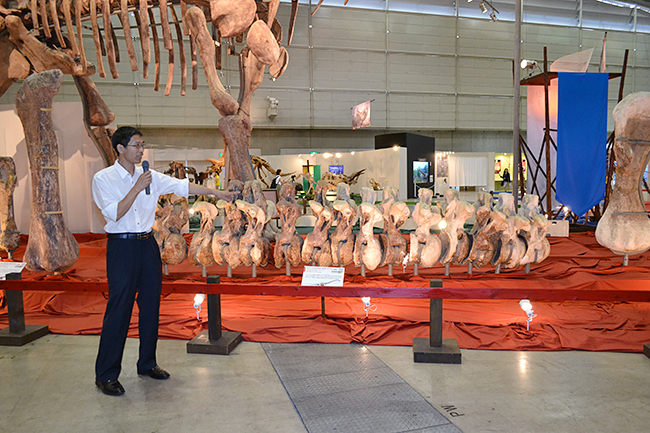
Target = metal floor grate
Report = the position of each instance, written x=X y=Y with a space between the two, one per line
x=346 y=388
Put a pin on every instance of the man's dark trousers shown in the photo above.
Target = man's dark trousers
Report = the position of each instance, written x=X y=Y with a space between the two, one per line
x=132 y=266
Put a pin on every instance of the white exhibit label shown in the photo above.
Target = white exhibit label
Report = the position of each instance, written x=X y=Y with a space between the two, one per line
x=322 y=276
x=10 y=268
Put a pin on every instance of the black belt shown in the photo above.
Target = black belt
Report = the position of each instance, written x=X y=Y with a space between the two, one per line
x=133 y=236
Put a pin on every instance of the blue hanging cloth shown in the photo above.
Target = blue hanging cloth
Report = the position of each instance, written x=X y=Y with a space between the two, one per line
x=581 y=140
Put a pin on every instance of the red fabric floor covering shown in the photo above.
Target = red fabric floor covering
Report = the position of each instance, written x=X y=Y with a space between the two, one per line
x=578 y=262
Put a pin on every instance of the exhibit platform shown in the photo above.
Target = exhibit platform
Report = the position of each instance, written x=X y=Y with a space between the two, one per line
x=577 y=267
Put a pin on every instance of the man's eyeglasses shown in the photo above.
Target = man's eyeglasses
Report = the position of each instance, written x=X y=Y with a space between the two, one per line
x=140 y=146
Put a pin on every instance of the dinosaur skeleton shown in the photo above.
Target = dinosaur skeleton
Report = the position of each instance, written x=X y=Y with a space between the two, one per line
x=38 y=35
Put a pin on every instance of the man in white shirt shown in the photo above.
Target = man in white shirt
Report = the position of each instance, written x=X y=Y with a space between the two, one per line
x=133 y=262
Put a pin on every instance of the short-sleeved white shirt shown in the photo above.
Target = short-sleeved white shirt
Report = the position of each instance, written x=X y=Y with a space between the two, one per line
x=113 y=183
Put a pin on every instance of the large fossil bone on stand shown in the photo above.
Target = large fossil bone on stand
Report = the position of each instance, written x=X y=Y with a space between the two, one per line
x=625 y=227
x=10 y=236
x=51 y=246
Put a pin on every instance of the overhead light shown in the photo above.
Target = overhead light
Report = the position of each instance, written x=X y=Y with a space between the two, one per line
x=338 y=155
x=528 y=309
x=483 y=7
x=352 y=153
x=396 y=148
x=442 y=224
x=493 y=16
x=469 y=1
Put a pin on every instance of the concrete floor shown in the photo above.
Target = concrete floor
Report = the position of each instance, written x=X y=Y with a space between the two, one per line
x=48 y=386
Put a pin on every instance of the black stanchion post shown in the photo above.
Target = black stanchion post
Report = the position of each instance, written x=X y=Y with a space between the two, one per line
x=214 y=341
x=18 y=333
x=435 y=349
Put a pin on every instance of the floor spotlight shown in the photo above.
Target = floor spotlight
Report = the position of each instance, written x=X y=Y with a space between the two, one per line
x=528 y=309
x=198 y=300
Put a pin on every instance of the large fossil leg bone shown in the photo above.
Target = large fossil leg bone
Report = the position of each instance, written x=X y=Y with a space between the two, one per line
x=9 y=236
x=51 y=246
x=625 y=227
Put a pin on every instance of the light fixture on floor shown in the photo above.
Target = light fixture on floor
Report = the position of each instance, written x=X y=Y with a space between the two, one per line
x=528 y=309
x=198 y=300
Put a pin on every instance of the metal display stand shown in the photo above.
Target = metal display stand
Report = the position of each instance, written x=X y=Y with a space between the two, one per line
x=19 y=334
x=435 y=349
x=214 y=341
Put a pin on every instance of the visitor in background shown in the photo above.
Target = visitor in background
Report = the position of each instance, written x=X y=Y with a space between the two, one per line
x=277 y=181
x=505 y=183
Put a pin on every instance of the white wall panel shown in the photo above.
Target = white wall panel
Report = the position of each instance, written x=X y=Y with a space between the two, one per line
x=485 y=38
x=484 y=113
x=416 y=73
x=354 y=70
x=485 y=76
x=421 y=33
x=349 y=28
x=422 y=111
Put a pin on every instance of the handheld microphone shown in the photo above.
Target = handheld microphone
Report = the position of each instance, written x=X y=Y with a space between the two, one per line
x=145 y=168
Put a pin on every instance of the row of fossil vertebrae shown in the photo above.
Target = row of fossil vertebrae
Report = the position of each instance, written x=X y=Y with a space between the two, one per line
x=500 y=236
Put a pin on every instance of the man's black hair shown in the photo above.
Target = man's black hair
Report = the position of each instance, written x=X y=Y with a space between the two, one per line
x=123 y=136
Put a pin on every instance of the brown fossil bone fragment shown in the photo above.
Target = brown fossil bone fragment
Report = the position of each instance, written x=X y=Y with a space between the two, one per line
x=624 y=227
x=40 y=55
x=51 y=246
x=225 y=243
x=317 y=248
x=200 y=253
x=345 y=216
x=253 y=247
x=538 y=247
x=512 y=244
x=456 y=244
x=13 y=65
x=367 y=248
x=9 y=235
x=487 y=237
x=395 y=214
x=172 y=244
x=288 y=244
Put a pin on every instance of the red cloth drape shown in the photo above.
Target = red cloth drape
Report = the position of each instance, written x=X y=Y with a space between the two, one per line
x=576 y=262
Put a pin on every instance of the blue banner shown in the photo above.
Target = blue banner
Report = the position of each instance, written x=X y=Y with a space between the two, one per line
x=581 y=140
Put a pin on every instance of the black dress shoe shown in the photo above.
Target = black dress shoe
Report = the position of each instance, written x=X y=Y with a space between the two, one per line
x=155 y=373
x=111 y=387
